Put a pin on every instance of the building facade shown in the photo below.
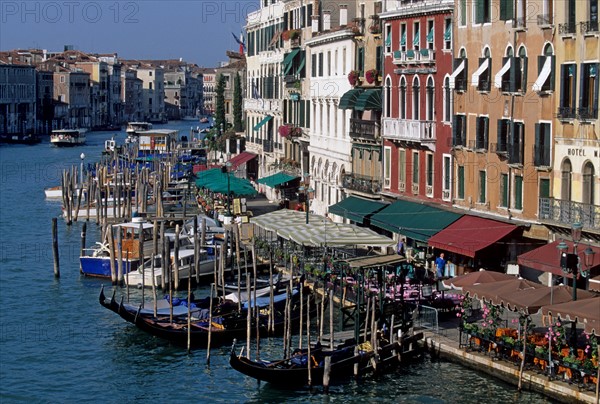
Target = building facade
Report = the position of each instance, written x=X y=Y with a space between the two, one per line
x=18 y=103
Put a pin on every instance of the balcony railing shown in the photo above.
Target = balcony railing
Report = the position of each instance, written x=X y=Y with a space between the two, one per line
x=544 y=20
x=361 y=183
x=566 y=113
x=409 y=130
x=411 y=56
x=566 y=212
x=541 y=155
x=515 y=153
x=499 y=148
x=478 y=144
x=588 y=27
x=262 y=105
x=363 y=129
x=587 y=113
x=566 y=29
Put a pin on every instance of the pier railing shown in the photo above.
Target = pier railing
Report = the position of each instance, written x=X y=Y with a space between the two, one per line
x=425 y=317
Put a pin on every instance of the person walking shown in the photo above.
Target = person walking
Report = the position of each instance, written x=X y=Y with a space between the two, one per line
x=440 y=265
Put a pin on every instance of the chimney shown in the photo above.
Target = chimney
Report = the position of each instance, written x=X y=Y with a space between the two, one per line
x=343 y=15
x=326 y=20
x=315 y=24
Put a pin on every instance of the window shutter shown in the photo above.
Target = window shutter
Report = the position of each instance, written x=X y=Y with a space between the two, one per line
x=564 y=77
x=307 y=103
x=574 y=87
x=552 y=78
x=302 y=113
x=537 y=148
x=479 y=12
x=583 y=83
x=595 y=90
x=285 y=22
x=524 y=74
x=514 y=74
x=285 y=113
x=478 y=136
x=454 y=130
x=302 y=17
x=486 y=129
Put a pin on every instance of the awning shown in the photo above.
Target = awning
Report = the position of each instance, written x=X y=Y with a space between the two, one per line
x=241 y=159
x=369 y=100
x=276 y=179
x=289 y=58
x=482 y=68
x=585 y=311
x=217 y=181
x=430 y=35
x=498 y=77
x=261 y=123
x=349 y=98
x=547 y=257
x=388 y=39
x=470 y=234
x=403 y=39
x=356 y=209
x=448 y=33
x=455 y=73
x=416 y=38
x=375 y=261
x=414 y=220
x=544 y=74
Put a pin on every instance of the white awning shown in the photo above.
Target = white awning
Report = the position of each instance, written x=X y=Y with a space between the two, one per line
x=498 y=77
x=544 y=74
x=455 y=74
x=482 y=68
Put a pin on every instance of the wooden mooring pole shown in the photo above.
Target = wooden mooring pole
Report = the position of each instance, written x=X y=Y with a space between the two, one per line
x=55 y=247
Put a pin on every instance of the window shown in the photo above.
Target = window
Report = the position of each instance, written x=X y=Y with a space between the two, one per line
x=430 y=100
x=458 y=79
x=415 y=165
x=447 y=167
x=481 y=132
x=503 y=132
x=460 y=178
x=482 y=183
x=588 y=92
x=416 y=36
x=388 y=38
x=541 y=150
x=544 y=190
x=504 y=190
x=320 y=67
x=378 y=59
x=521 y=71
x=568 y=77
x=592 y=25
x=403 y=37
x=481 y=77
x=515 y=146
x=402 y=104
x=588 y=184
x=388 y=98
x=448 y=34
x=416 y=89
x=565 y=180
x=459 y=130
x=328 y=63
x=447 y=100
x=430 y=34
x=482 y=11
x=387 y=166
x=569 y=27
x=506 y=10
x=462 y=12
x=546 y=68
x=429 y=168
x=401 y=168
x=360 y=60
x=518 y=192
x=62 y=79
x=512 y=77
x=521 y=19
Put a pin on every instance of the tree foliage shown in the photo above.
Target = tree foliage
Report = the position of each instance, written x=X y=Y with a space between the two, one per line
x=238 y=124
x=220 y=103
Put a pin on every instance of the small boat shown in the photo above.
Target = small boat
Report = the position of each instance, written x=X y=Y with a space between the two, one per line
x=134 y=127
x=20 y=139
x=204 y=119
x=67 y=137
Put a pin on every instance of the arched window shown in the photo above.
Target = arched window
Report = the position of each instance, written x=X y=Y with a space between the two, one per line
x=588 y=184
x=462 y=53
x=388 y=97
x=430 y=99
x=486 y=52
x=416 y=89
x=548 y=50
x=510 y=51
x=402 y=103
x=565 y=180
x=447 y=100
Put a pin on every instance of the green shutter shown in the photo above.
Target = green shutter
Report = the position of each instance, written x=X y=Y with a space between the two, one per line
x=454 y=130
x=482 y=183
x=518 y=192
x=506 y=10
x=544 y=191
x=478 y=128
x=504 y=190
x=486 y=129
x=537 y=147
x=307 y=103
x=479 y=11
x=302 y=112
x=582 y=85
x=461 y=182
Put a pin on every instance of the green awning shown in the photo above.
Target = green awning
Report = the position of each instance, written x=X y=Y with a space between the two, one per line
x=413 y=220
x=416 y=38
x=349 y=98
x=369 y=100
x=217 y=181
x=430 y=35
x=448 y=33
x=388 y=39
x=276 y=179
x=288 y=61
x=356 y=209
x=302 y=62
x=403 y=39
x=261 y=123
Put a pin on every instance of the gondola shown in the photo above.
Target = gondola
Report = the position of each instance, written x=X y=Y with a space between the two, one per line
x=224 y=329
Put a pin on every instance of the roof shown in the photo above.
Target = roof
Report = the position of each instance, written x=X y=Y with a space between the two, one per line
x=470 y=234
x=356 y=209
x=414 y=220
x=547 y=258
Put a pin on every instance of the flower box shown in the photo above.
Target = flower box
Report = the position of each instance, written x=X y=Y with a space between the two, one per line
x=371 y=76
x=354 y=77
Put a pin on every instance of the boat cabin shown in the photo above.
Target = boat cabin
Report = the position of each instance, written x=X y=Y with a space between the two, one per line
x=157 y=141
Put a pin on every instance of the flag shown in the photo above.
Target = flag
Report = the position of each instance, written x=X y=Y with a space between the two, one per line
x=240 y=41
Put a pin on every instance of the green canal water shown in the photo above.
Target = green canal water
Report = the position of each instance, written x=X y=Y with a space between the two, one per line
x=57 y=344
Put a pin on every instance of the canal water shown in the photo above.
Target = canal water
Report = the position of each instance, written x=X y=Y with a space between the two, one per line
x=57 y=344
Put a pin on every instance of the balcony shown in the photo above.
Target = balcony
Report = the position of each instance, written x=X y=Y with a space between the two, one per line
x=587 y=113
x=566 y=29
x=409 y=130
x=566 y=113
x=544 y=20
x=423 y=56
x=479 y=144
x=588 y=27
x=262 y=105
x=361 y=183
x=563 y=212
x=362 y=129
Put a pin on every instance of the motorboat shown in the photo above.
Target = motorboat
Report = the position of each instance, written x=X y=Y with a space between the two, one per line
x=67 y=137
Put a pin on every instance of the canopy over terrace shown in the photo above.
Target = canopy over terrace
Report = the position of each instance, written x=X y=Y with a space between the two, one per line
x=217 y=181
x=531 y=301
x=495 y=292
x=319 y=231
x=586 y=312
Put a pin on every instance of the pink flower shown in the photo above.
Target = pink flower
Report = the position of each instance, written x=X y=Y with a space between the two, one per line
x=457 y=314
x=558 y=334
x=554 y=339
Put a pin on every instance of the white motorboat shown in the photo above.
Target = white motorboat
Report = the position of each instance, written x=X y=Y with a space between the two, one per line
x=67 y=137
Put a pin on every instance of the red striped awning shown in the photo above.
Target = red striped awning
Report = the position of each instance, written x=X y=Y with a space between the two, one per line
x=470 y=234
x=241 y=159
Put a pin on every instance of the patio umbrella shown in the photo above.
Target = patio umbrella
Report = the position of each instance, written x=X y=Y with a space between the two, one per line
x=496 y=291
x=595 y=283
x=586 y=312
x=530 y=301
x=474 y=278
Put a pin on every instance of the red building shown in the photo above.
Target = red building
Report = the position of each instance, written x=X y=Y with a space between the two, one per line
x=417 y=110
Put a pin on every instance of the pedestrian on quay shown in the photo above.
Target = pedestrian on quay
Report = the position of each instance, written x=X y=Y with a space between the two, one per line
x=440 y=265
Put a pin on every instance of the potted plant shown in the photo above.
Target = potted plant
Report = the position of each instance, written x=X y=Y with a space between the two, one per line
x=571 y=361
x=541 y=352
x=371 y=76
x=354 y=77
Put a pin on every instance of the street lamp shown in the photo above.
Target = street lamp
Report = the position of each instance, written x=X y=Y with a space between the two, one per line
x=225 y=169
x=571 y=264
x=82 y=157
x=306 y=190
